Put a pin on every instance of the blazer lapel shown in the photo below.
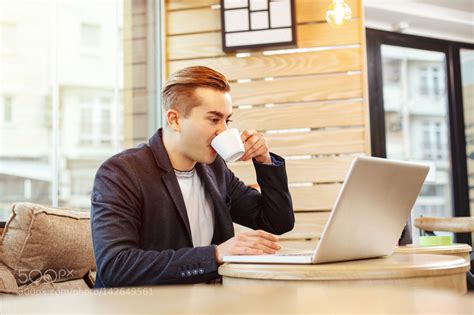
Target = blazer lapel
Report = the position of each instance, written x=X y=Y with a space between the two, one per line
x=223 y=228
x=172 y=185
x=169 y=179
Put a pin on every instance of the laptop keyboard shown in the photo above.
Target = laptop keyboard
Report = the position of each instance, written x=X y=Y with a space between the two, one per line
x=294 y=254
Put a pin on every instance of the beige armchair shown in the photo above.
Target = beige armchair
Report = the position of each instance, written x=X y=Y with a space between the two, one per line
x=44 y=249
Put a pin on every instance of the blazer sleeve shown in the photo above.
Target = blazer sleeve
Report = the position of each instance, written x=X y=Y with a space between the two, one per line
x=115 y=223
x=272 y=209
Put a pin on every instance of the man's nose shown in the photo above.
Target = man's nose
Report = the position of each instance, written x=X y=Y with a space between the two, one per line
x=222 y=127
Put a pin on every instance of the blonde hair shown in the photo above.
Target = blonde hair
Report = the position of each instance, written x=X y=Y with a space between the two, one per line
x=178 y=92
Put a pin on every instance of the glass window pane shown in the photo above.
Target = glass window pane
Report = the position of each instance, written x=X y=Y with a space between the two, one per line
x=416 y=122
x=90 y=80
x=467 y=80
x=89 y=33
x=25 y=103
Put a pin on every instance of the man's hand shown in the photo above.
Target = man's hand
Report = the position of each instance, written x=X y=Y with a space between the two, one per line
x=255 y=146
x=248 y=243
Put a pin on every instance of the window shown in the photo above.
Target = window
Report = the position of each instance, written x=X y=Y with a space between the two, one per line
x=467 y=87
x=424 y=81
x=436 y=87
x=392 y=71
x=7 y=109
x=87 y=103
x=438 y=138
x=428 y=190
x=90 y=36
x=105 y=126
x=8 y=32
x=95 y=121
x=86 y=134
x=432 y=122
x=426 y=140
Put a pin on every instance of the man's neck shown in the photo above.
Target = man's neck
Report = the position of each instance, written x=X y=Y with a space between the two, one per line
x=178 y=160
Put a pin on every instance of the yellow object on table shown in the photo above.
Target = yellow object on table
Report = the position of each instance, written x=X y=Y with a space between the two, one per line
x=438 y=240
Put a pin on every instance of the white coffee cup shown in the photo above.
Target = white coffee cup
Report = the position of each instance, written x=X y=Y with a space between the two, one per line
x=229 y=145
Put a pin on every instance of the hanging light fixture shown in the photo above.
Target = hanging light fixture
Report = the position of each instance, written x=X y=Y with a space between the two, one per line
x=338 y=13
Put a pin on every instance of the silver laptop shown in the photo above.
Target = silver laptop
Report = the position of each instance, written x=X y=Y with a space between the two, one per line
x=368 y=216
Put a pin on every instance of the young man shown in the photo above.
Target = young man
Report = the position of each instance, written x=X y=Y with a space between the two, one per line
x=163 y=212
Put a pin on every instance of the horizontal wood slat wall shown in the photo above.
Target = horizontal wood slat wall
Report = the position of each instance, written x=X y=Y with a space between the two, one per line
x=209 y=18
x=186 y=4
x=306 y=10
x=312 y=103
x=209 y=44
x=321 y=170
x=309 y=115
x=300 y=89
x=318 y=142
x=342 y=60
x=308 y=226
x=314 y=198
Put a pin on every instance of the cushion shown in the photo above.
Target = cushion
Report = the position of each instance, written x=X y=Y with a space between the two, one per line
x=7 y=281
x=39 y=241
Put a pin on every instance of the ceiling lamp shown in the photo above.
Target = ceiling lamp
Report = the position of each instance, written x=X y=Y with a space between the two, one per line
x=338 y=13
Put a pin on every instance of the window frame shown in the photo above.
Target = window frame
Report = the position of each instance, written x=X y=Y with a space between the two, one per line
x=451 y=49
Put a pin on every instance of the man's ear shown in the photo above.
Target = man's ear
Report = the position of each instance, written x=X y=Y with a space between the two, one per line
x=172 y=118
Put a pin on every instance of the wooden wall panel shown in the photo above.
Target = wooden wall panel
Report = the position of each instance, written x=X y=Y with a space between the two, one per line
x=322 y=34
x=194 y=46
x=307 y=11
x=319 y=197
x=253 y=67
x=314 y=10
x=209 y=44
x=309 y=115
x=307 y=225
x=298 y=89
x=209 y=20
x=318 y=142
x=189 y=4
x=320 y=170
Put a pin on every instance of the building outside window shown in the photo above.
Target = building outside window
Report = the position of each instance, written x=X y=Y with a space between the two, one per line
x=90 y=37
x=7 y=110
x=8 y=32
x=416 y=123
x=89 y=126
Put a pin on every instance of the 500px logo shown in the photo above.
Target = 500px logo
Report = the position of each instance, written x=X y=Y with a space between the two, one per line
x=47 y=276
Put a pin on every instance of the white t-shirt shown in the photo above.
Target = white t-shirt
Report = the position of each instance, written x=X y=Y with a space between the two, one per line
x=199 y=207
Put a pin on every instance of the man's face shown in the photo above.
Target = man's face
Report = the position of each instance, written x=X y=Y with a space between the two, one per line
x=203 y=123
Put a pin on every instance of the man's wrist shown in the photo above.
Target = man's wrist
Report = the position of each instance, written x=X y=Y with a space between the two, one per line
x=267 y=160
x=216 y=255
x=274 y=160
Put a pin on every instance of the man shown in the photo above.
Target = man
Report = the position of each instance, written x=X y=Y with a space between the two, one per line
x=163 y=212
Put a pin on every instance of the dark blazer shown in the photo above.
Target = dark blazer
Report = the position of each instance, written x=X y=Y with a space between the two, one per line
x=140 y=228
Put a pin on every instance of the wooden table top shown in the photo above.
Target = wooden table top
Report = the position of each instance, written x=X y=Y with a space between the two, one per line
x=446 y=249
x=217 y=299
x=390 y=267
x=309 y=246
